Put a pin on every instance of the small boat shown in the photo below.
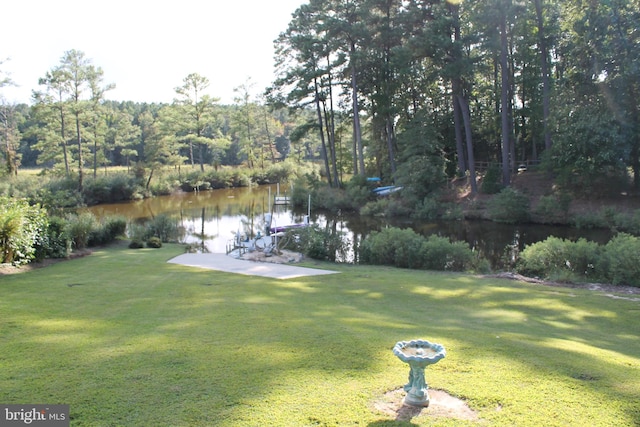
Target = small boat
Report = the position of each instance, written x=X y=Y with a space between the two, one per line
x=385 y=191
x=283 y=228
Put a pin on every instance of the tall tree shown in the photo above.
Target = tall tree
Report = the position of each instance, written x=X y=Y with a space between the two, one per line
x=247 y=124
x=543 y=45
x=82 y=84
x=51 y=107
x=300 y=51
x=198 y=111
x=9 y=136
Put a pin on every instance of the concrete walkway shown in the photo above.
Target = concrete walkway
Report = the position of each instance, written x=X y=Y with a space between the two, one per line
x=222 y=262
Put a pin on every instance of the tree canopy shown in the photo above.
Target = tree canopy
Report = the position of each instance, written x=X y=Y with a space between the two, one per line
x=412 y=91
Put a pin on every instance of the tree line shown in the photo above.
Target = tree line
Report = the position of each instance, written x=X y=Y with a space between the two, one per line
x=71 y=127
x=422 y=89
x=413 y=91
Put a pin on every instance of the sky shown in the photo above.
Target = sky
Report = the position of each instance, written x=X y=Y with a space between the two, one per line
x=146 y=48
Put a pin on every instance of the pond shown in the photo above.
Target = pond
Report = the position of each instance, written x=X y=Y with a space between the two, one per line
x=211 y=219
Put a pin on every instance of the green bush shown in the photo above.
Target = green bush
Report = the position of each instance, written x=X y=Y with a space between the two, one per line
x=358 y=192
x=79 y=228
x=427 y=210
x=60 y=193
x=279 y=172
x=376 y=207
x=492 y=181
x=560 y=259
x=509 y=206
x=405 y=248
x=316 y=243
x=108 y=231
x=154 y=242
x=589 y=220
x=110 y=189
x=22 y=228
x=56 y=243
x=392 y=246
x=621 y=260
x=629 y=223
x=163 y=227
x=553 y=209
x=136 y=244
x=439 y=253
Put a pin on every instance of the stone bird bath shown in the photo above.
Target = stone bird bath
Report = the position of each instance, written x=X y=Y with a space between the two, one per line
x=418 y=354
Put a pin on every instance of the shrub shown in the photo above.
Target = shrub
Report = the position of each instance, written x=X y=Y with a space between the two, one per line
x=439 y=253
x=620 y=262
x=316 y=243
x=359 y=192
x=559 y=258
x=60 y=193
x=509 y=206
x=279 y=172
x=405 y=248
x=376 y=207
x=136 y=244
x=79 y=228
x=154 y=242
x=22 y=228
x=553 y=209
x=300 y=192
x=589 y=220
x=109 y=189
x=427 y=210
x=381 y=247
x=491 y=183
x=108 y=231
x=629 y=223
x=163 y=227
x=56 y=243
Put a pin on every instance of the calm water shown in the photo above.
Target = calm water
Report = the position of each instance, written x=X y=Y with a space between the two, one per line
x=210 y=220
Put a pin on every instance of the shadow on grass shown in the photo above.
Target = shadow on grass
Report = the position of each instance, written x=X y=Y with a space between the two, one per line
x=214 y=348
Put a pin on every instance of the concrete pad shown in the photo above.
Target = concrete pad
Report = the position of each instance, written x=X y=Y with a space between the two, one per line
x=222 y=262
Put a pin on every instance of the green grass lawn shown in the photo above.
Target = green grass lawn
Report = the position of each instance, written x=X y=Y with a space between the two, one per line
x=128 y=340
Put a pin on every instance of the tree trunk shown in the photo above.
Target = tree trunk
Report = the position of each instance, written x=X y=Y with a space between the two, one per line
x=332 y=133
x=457 y=115
x=466 y=117
x=358 y=160
x=63 y=138
x=504 y=101
x=389 y=132
x=322 y=139
x=456 y=89
x=79 y=142
x=544 y=68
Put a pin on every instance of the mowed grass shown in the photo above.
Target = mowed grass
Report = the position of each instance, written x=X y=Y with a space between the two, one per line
x=127 y=339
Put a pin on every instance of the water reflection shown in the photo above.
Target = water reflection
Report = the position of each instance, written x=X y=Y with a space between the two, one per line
x=210 y=219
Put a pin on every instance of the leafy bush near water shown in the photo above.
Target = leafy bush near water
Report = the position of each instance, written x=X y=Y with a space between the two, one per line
x=316 y=243
x=509 y=206
x=27 y=233
x=161 y=228
x=617 y=262
x=84 y=230
x=405 y=248
x=22 y=228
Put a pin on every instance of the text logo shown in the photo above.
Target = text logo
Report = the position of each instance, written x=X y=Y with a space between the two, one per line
x=34 y=415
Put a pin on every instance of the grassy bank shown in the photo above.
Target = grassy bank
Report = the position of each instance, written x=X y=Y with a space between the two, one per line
x=126 y=339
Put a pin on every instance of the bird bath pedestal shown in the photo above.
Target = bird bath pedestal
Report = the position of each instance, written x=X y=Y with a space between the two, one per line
x=418 y=354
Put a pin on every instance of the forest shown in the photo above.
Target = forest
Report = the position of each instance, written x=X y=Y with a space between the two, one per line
x=416 y=92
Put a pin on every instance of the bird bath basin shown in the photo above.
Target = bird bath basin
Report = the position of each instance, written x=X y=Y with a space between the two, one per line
x=418 y=354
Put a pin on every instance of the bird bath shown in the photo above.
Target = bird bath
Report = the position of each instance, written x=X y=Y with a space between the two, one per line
x=418 y=354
